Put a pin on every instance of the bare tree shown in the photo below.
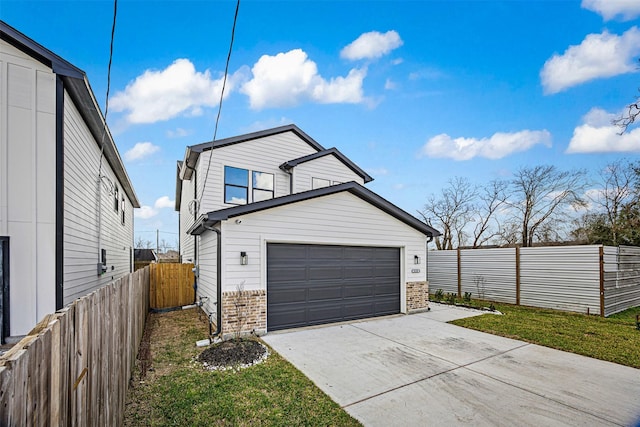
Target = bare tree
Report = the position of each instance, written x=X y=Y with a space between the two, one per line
x=492 y=198
x=628 y=117
x=542 y=195
x=143 y=243
x=450 y=211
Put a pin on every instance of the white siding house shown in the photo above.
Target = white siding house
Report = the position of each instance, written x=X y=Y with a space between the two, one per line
x=66 y=202
x=285 y=228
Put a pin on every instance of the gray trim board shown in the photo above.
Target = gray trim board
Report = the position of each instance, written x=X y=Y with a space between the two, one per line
x=288 y=165
x=352 y=187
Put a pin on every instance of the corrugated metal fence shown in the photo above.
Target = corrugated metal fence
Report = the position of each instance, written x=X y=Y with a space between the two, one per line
x=589 y=279
x=74 y=367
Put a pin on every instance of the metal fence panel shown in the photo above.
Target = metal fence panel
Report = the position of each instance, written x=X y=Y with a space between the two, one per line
x=621 y=278
x=489 y=273
x=442 y=271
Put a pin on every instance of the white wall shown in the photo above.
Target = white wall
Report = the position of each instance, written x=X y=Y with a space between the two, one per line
x=90 y=221
x=262 y=155
x=207 y=282
x=186 y=220
x=338 y=219
x=326 y=167
x=27 y=184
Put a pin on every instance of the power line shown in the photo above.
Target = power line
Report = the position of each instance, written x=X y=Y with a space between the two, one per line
x=224 y=84
x=106 y=101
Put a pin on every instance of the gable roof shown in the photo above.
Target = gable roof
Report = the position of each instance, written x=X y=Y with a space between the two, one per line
x=352 y=187
x=288 y=165
x=193 y=152
x=77 y=85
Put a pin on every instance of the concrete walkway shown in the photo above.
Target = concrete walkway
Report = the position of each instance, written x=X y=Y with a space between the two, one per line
x=418 y=370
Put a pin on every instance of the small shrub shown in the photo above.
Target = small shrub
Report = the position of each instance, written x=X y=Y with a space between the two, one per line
x=451 y=298
x=467 y=297
x=492 y=307
x=439 y=295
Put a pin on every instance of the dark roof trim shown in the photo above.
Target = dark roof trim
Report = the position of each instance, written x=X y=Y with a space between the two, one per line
x=352 y=187
x=287 y=166
x=178 y=187
x=193 y=152
x=39 y=52
x=75 y=82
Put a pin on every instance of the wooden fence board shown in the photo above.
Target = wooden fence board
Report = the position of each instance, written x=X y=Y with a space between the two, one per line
x=75 y=368
x=171 y=285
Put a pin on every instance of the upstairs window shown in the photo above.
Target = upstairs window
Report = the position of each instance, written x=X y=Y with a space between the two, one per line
x=236 y=185
x=262 y=186
x=123 y=204
x=116 y=200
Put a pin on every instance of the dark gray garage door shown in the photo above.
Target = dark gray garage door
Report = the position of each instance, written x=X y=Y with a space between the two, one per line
x=315 y=284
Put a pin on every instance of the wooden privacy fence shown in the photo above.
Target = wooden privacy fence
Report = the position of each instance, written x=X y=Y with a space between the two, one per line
x=74 y=367
x=592 y=279
x=171 y=285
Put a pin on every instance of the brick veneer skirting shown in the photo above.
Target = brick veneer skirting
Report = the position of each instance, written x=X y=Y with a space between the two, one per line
x=244 y=312
x=417 y=296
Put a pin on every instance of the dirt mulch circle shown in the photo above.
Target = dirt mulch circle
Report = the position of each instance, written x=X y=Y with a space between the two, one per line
x=233 y=354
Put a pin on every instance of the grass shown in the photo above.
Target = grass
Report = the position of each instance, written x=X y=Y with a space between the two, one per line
x=614 y=339
x=175 y=390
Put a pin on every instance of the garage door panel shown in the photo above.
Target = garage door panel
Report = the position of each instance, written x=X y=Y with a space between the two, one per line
x=321 y=293
x=325 y=272
x=322 y=284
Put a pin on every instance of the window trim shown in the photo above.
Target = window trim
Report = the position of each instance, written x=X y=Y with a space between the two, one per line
x=122 y=210
x=246 y=188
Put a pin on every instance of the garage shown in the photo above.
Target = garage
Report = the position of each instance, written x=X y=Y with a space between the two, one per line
x=316 y=284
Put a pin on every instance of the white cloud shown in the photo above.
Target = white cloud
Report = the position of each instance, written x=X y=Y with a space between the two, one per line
x=597 y=134
x=372 y=45
x=598 y=56
x=140 y=151
x=496 y=147
x=609 y=9
x=177 y=90
x=397 y=61
x=399 y=186
x=178 y=133
x=390 y=84
x=287 y=79
x=145 y=212
x=164 y=202
x=378 y=171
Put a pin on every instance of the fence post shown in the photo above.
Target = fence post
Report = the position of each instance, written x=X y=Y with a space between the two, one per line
x=459 y=275
x=601 y=259
x=517 y=275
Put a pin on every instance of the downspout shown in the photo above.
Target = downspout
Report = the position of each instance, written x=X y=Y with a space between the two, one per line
x=218 y=285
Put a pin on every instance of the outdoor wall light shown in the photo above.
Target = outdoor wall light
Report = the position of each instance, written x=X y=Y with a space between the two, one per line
x=416 y=259
x=244 y=259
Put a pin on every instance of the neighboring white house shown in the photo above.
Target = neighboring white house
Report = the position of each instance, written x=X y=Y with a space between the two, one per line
x=66 y=202
x=284 y=234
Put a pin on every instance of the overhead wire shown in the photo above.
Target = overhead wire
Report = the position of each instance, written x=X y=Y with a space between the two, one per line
x=224 y=84
x=106 y=101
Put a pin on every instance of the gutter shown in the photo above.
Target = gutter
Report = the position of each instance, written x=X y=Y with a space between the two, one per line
x=218 y=330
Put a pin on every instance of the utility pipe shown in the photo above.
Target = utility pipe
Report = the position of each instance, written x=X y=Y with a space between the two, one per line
x=218 y=284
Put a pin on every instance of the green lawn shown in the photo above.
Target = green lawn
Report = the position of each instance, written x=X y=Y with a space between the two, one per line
x=614 y=339
x=178 y=392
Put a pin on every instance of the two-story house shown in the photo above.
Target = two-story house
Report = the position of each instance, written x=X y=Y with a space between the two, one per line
x=284 y=234
x=66 y=202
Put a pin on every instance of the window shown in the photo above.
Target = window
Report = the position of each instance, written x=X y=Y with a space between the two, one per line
x=319 y=183
x=122 y=210
x=116 y=199
x=236 y=185
x=262 y=186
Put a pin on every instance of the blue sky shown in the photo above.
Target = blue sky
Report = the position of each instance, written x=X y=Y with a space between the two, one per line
x=415 y=93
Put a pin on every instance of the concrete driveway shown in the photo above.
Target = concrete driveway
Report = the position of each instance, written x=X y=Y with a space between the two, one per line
x=418 y=370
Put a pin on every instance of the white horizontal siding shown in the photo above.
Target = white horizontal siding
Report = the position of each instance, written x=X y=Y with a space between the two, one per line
x=187 y=241
x=91 y=222
x=326 y=167
x=262 y=155
x=207 y=270
x=27 y=184
x=622 y=278
x=338 y=219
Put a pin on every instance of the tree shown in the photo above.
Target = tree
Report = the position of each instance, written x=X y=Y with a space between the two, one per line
x=450 y=212
x=492 y=198
x=543 y=196
x=143 y=243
